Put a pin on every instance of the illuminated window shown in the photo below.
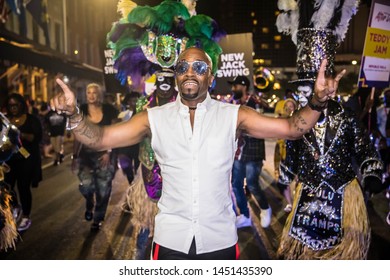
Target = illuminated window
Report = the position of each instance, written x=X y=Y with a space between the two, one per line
x=277 y=46
x=277 y=38
x=264 y=46
x=252 y=14
x=255 y=22
x=265 y=29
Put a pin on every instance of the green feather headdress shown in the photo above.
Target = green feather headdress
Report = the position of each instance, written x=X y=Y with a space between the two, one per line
x=151 y=38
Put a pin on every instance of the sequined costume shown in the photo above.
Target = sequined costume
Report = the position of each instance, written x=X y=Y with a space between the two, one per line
x=329 y=218
x=146 y=189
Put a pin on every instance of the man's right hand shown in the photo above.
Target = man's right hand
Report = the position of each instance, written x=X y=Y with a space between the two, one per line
x=64 y=102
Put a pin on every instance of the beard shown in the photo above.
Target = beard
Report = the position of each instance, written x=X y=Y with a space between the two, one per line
x=189 y=95
x=237 y=94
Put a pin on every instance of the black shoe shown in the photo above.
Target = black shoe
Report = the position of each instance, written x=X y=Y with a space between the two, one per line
x=61 y=158
x=96 y=226
x=56 y=163
x=88 y=215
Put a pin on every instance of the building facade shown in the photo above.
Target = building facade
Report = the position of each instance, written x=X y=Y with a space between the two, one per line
x=43 y=40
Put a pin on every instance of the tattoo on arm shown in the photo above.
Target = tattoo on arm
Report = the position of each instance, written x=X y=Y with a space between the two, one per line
x=89 y=134
x=299 y=122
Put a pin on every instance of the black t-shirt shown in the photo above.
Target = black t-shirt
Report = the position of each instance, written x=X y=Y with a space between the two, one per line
x=56 y=123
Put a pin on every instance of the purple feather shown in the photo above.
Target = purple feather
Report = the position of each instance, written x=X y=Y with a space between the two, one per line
x=132 y=62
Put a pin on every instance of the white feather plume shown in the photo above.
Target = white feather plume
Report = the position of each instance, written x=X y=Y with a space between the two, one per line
x=287 y=22
x=287 y=5
x=349 y=9
x=322 y=17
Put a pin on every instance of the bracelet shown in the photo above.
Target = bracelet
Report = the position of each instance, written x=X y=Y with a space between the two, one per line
x=77 y=122
x=318 y=108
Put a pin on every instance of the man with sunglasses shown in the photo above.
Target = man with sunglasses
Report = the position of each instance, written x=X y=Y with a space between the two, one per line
x=194 y=139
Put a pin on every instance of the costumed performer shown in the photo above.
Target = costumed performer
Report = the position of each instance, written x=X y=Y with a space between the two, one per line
x=9 y=145
x=329 y=218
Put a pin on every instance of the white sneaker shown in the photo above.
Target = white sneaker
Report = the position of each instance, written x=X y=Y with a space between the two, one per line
x=265 y=217
x=16 y=213
x=25 y=223
x=243 y=221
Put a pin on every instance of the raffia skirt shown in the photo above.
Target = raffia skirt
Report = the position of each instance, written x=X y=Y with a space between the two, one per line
x=141 y=207
x=356 y=232
x=8 y=231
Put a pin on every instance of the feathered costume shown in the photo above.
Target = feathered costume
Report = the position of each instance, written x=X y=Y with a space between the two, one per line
x=150 y=38
x=9 y=144
x=147 y=40
x=329 y=218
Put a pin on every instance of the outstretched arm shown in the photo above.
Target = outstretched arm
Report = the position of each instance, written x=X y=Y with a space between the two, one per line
x=94 y=136
x=300 y=122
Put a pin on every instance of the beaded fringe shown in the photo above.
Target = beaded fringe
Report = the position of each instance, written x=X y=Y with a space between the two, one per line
x=356 y=232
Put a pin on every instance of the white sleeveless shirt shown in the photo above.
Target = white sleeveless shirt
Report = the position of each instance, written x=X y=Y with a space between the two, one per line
x=196 y=166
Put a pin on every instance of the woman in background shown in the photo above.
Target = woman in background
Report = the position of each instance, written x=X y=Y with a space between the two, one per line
x=25 y=166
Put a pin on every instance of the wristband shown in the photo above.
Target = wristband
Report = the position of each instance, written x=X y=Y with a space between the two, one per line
x=70 y=125
x=315 y=107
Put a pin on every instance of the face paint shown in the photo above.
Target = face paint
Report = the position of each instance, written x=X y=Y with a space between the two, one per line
x=304 y=92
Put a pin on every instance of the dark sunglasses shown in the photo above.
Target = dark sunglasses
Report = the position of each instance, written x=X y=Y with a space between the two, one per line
x=198 y=66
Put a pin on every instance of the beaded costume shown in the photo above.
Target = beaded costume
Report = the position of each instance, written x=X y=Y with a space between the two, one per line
x=329 y=218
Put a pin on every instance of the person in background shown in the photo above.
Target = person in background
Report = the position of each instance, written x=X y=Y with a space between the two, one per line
x=25 y=166
x=128 y=156
x=56 y=127
x=96 y=169
x=290 y=105
x=279 y=107
x=364 y=104
x=46 y=146
x=248 y=162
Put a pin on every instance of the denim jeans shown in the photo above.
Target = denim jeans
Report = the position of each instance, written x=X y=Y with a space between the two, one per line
x=96 y=184
x=251 y=170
